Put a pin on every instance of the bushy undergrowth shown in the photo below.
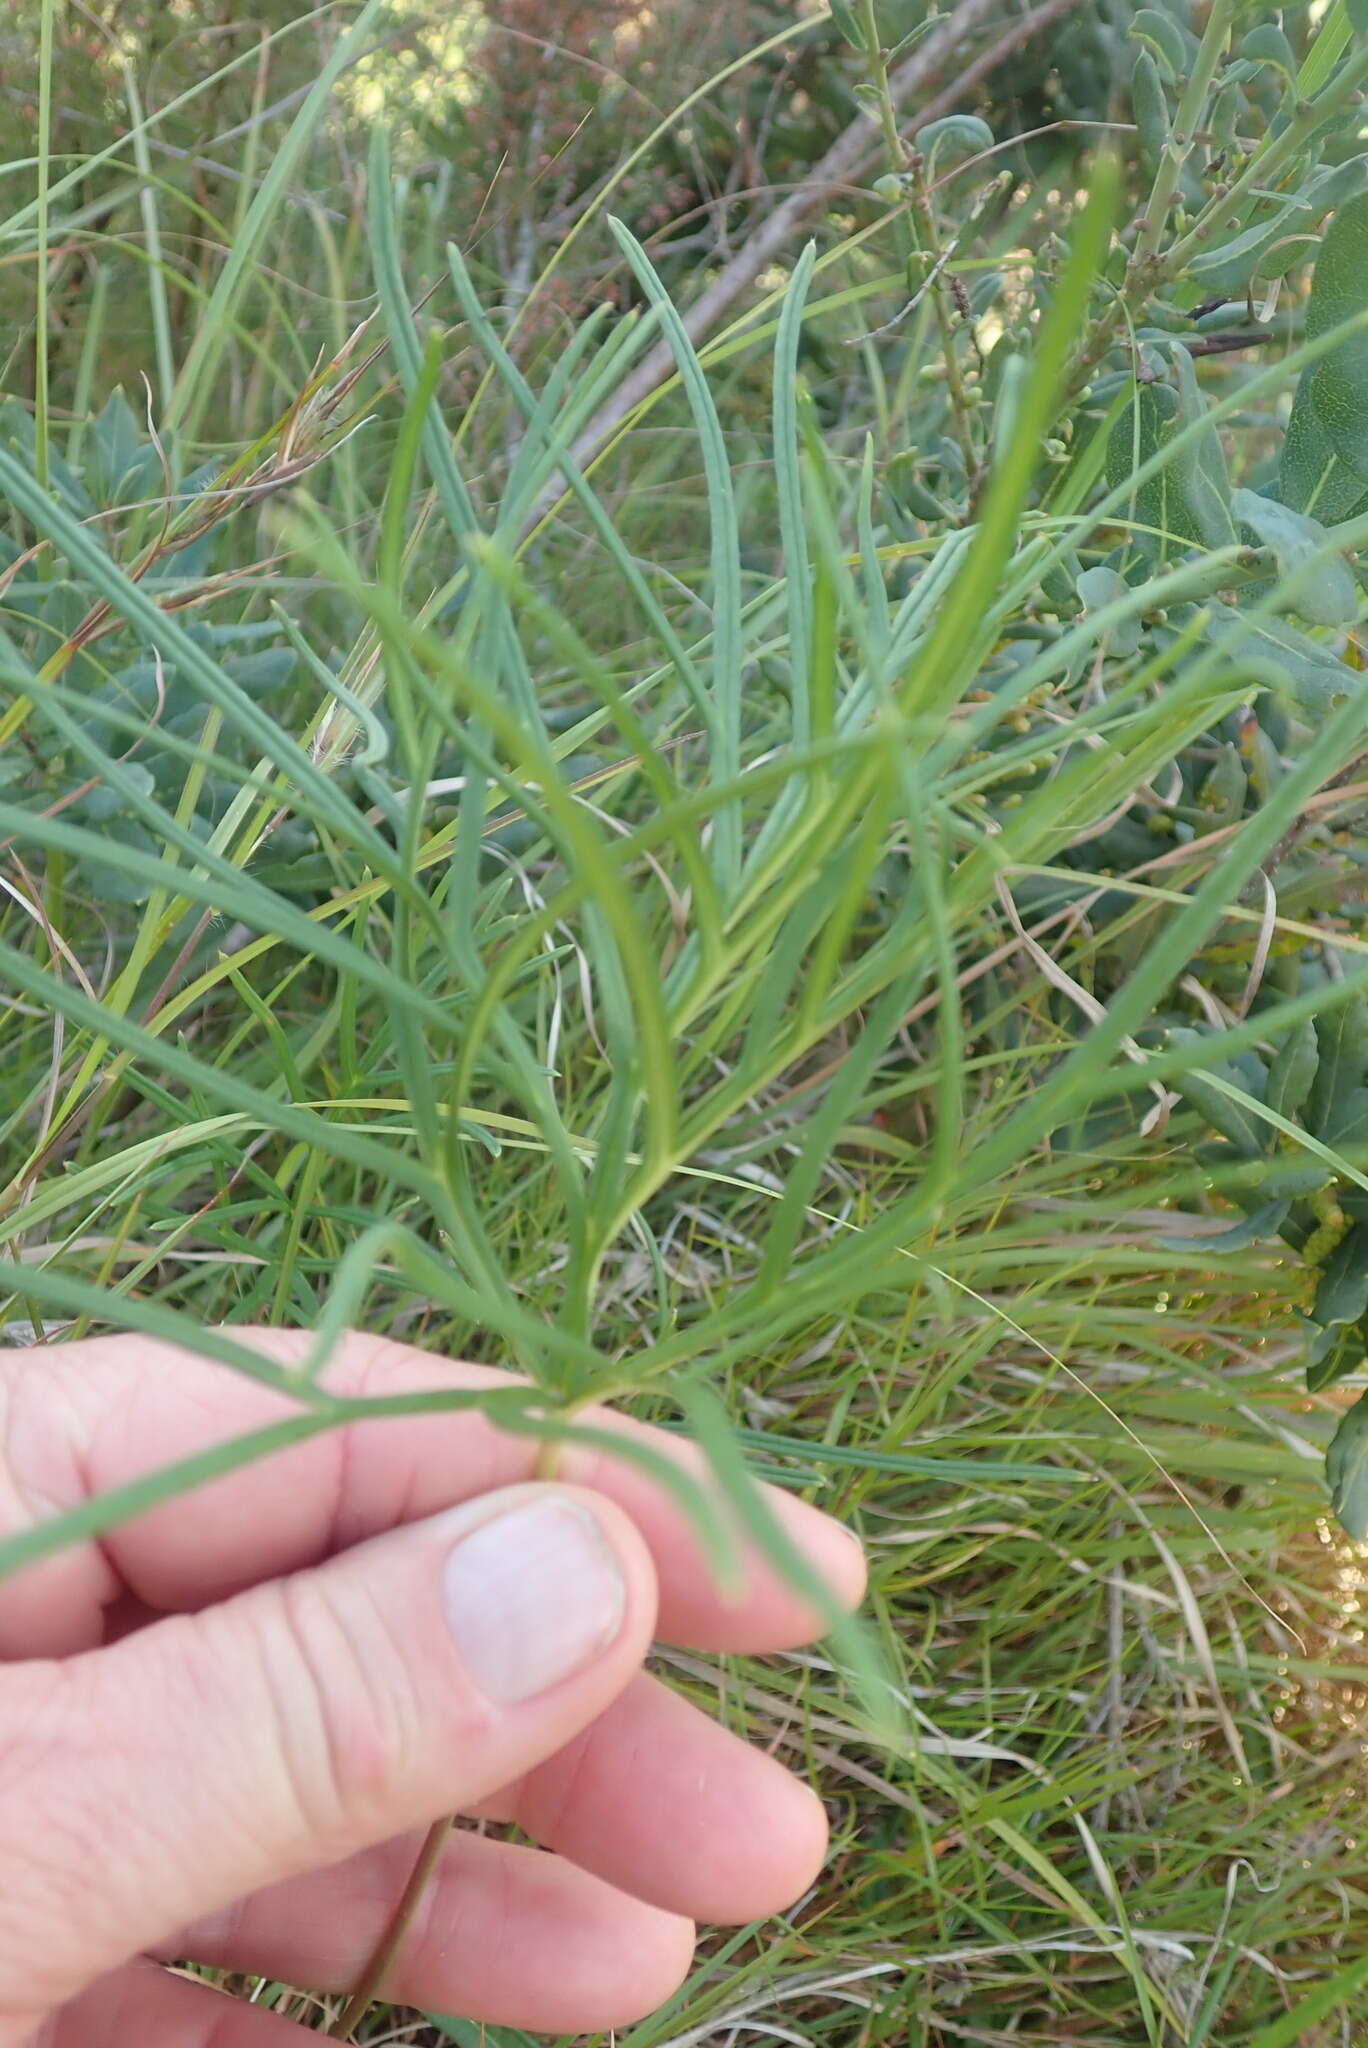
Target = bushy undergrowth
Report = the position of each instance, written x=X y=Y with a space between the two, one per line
x=827 y=905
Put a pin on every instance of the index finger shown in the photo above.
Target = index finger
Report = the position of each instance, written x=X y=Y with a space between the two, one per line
x=78 y=1420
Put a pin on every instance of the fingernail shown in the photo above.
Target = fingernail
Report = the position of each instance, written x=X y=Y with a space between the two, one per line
x=532 y=1597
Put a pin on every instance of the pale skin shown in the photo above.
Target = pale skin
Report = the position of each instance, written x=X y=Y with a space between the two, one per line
x=226 y=1726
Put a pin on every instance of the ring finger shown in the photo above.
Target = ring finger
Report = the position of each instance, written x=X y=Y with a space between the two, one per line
x=504 y=1935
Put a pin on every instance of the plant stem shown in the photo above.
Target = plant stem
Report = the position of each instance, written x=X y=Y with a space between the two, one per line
x=920 y=238
x=1149 y=266
x=387 y=1948
x=41 y=402
x=878 y=67
x=1267 y=163
x=927 y=240
x=1187 y=121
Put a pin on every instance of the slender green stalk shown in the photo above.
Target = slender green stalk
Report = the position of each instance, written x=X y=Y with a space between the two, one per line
x=1271 y=159
x=921 y=241
x=156 y=262
x=1181 y=141
x=42 y=422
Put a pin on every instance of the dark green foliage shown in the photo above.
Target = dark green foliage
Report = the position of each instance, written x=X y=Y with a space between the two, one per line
x=109 y=695
x=1313 y=1080
x=1325 y=466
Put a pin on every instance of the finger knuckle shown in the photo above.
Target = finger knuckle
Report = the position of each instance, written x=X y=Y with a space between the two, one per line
x=53 y=1839
x=348 y=1718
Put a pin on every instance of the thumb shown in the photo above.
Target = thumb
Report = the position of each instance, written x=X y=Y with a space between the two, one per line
x=186 y=1766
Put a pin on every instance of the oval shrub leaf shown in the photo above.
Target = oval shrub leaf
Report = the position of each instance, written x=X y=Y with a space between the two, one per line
x=1149 y=106
x=1311 y=476
x=1342 y=1291
x=1336 y=1352
x=1339 y=291
x=956 y=135
x=1100 y=587
x=1324 y=591
x=1164 y=37
x=1293 y=1069
x=1334 y=1109
x=1346 y=1471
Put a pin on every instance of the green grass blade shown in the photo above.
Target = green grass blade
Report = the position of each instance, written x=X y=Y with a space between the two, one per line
x=788 y=478
x=725 y=555
x=194 y=385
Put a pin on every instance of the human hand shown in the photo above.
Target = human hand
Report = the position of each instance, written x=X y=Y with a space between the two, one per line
x=225 y=1727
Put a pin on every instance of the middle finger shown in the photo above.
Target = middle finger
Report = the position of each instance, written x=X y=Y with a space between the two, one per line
x=658 y=1799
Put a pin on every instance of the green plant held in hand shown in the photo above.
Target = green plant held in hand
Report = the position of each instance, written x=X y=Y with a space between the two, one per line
x=638 y=898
